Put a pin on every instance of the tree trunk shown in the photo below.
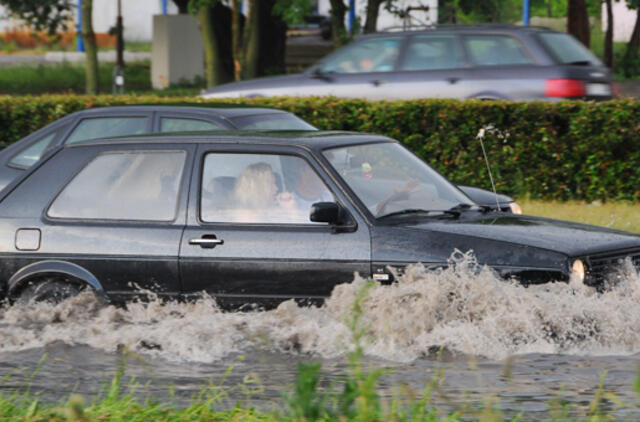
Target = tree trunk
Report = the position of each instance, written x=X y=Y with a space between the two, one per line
x=215 y=73
x=548 y=8
x=631 y=53
x=578 y=21
x=338 y=30
x=183 y=6
x=273 y=40
x=252 y=34
x=91 y=50
x=373 y=9
x=236 y=39
x=608 y=37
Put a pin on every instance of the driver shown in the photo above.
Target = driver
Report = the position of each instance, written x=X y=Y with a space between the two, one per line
x=308 y=189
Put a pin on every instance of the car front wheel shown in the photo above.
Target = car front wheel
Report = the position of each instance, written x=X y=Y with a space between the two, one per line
x=48 y=290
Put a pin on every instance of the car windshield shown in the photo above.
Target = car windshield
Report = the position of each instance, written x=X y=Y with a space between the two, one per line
x=390 y=180
x=272 y=121
x=568 y=50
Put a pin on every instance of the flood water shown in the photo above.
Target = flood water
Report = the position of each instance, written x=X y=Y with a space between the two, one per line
x=524 y=348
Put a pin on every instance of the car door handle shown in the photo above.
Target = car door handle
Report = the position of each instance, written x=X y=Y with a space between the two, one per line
x=376 y=82
x=207 y=242
x=453 y=80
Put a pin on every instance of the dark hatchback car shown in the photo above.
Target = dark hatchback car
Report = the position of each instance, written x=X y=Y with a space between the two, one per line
x=455 y=61
x=263 y=218
x=132 y=120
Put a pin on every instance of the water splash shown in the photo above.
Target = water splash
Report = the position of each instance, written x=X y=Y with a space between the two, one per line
x=466 y=308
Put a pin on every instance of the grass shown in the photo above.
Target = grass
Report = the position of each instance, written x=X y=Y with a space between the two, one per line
x=69 y=78
x=616 y=215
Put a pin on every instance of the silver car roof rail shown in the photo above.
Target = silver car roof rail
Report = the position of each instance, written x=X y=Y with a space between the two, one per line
x=463 y=26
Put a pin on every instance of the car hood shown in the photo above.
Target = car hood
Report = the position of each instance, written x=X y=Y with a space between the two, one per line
x=572 y=239
x=243 y=88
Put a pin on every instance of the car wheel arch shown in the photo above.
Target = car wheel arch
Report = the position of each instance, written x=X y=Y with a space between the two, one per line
x=51 y=268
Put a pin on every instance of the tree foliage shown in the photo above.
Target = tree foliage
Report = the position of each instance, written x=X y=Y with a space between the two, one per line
x=505 y=11
x=42 y=15
x=292 y=12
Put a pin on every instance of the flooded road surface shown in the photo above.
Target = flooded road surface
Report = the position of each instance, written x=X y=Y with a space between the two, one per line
x=525 y=347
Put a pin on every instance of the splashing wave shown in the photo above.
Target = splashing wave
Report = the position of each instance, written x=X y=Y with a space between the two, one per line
x=465 y=308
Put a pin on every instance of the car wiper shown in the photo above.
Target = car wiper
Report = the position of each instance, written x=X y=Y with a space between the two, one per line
x=405 y=212
x=452 y=212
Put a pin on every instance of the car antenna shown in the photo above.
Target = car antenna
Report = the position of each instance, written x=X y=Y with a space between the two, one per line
x=479 y=136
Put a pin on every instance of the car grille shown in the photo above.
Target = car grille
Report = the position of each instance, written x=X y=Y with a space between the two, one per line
x=608 y=267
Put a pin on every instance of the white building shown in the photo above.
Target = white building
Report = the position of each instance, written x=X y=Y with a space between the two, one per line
x=623 y=21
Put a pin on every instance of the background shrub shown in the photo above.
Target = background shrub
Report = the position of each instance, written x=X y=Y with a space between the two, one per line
x=565 y=150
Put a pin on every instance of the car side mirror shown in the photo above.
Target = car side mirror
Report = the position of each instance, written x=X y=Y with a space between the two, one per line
x=325 y=212
x=319 y=74
x=334 y=214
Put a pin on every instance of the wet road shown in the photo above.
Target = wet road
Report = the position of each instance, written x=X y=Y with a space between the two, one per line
x=527 y=348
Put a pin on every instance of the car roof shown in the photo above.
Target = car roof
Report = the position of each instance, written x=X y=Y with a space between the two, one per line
x=309 y=139
x=459 y=28
x=219 y=109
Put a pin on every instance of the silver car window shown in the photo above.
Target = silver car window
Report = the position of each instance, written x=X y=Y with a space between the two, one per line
x=567 y=49
x=373 y=55
x=495 y=50
x=30 y=155
x=432 y=52
x=103 y=127
x=176 y=124
x=272 y=121
x=128 y=185
x=259 y=188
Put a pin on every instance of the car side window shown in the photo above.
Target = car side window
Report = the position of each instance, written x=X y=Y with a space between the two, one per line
x=177 y=124
x=373 y=55
x=30 y=155
x=126 y=185
x=432 y=52
x=104 y=127
x=259 y=188
x=495 y=50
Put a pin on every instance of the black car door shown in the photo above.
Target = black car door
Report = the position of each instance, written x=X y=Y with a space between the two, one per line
x=243 y=245
x=117 y=213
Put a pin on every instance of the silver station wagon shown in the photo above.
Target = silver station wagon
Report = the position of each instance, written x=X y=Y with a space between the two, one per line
x=457 y=61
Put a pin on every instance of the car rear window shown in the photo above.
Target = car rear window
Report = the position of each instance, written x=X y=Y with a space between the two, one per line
x=495 y=50
x=103 y=127
x=274 y=121
x=567 y=50
x=127 y=185
x=178 y=124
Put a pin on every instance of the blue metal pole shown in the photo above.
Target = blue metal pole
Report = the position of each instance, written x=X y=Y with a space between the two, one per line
x=79 y=40
x=164 y=7
x=352 y=15
x=525 y=12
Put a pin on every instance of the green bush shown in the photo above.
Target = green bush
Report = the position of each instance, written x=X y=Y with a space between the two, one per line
x=565 y=150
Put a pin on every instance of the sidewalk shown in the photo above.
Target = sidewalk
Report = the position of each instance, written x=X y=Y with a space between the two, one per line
x=69 y=57
x=630 y=89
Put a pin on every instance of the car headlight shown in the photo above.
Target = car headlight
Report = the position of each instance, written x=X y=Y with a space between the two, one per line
x=515 y=207
x=578 y=271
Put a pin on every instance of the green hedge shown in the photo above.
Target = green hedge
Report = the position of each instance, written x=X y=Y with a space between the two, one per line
x=565 y=150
